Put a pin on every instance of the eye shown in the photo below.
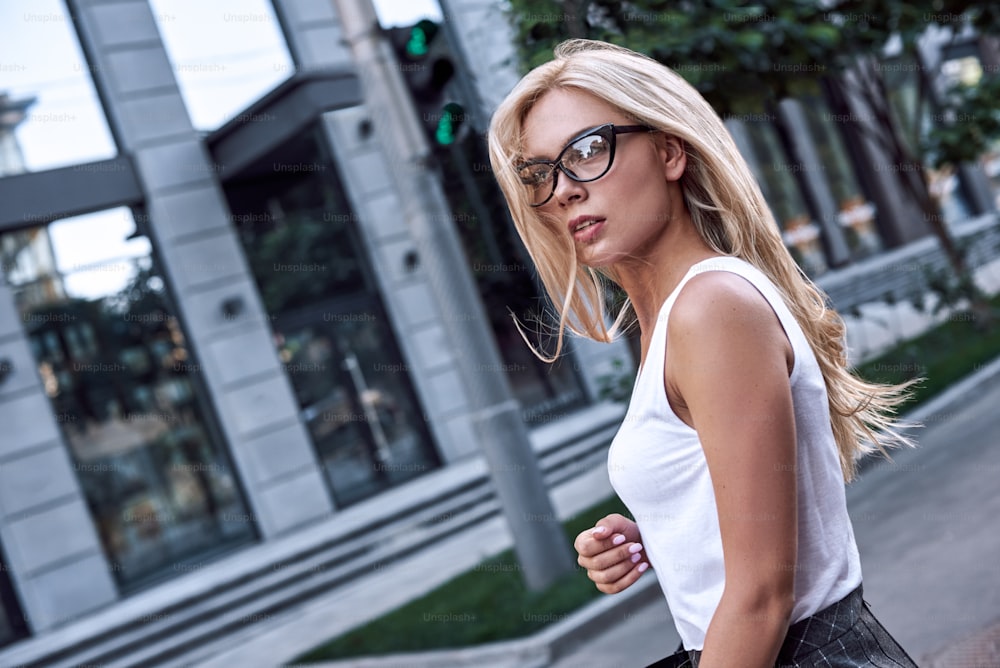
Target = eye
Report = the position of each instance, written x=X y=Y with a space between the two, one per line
x=534 y=175
x=586 y=149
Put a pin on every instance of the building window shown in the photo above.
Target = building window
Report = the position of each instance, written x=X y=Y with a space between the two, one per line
x=962 y=67
x=775 y=173
x=330 y=329
x=12 y=622
x=113 y=360
x=912 y=111
x=50 y=115
x=226 y=54
x=856 y=215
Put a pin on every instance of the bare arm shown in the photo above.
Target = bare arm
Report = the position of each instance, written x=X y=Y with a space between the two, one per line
x=728 y=366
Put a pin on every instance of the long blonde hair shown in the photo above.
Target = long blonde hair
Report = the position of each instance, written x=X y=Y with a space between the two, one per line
x=725 y=205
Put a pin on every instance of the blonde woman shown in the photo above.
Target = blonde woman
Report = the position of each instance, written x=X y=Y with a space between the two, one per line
x=744 y=422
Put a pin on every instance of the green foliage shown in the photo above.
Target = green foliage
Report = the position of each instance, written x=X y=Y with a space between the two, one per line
x=970 y=121
x=617 y=385
x=737 y=53
x=486 y=604
x=325 y=261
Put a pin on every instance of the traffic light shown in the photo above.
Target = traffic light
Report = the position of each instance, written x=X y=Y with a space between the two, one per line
x=428 y=68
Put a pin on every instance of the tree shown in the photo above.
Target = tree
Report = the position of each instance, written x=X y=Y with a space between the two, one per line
x=742 y=56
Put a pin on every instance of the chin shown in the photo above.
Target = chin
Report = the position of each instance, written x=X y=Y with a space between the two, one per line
x=598 y=260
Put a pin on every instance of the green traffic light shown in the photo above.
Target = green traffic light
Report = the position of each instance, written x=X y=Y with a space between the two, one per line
x=451 y=119
x=417 y=44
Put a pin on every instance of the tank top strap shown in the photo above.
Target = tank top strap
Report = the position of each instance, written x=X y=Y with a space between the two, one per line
x=742 y=268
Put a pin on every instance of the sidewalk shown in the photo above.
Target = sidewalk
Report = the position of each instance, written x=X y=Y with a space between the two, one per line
x=928 y=528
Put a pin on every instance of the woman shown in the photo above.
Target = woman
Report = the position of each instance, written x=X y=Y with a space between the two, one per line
x=744 y=422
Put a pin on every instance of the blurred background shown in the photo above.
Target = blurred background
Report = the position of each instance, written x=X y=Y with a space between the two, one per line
x=256 y=287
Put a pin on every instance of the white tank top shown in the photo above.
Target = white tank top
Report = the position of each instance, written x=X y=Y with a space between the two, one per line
x=657 y=467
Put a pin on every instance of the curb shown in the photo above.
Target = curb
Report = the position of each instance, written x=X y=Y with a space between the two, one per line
x=943 y=406
x=561 y=638
x=536 y=651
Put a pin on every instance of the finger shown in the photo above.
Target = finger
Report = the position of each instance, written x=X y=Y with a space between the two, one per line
x=610 y=575
x=626 y=553
x=626 y=580
x=615 y=523
x=588 y=545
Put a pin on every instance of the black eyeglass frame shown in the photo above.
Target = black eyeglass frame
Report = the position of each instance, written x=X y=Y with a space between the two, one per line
x=609 y=131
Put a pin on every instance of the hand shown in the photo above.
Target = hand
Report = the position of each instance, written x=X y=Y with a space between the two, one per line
x=612 y=554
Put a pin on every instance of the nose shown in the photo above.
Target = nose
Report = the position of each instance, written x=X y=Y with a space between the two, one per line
x=565 y=189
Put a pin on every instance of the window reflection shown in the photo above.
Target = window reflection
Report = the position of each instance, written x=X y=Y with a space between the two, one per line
x=12 y=626
x=354 y=394
x=332 y=335
x=777 y=181
x=50 y=115
x=856 y=215
x=114 y=363
x=904 y=90
x=226 y=54
x=967 y=70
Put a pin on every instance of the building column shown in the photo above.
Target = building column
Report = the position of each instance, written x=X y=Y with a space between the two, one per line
x=481 y=31
x=415 y=314
x=313 y=32
x=814 y=179
x=217 y=302
x=899 y=218
x=57 y=566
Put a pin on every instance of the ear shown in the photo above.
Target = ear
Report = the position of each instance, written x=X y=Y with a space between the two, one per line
x=672 y=154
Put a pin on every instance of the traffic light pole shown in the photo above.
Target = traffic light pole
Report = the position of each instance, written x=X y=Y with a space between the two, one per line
x=542 y=549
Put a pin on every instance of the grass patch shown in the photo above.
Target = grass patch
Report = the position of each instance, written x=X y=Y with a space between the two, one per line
x=486 y=604
x=490 y=603
x=941 y=356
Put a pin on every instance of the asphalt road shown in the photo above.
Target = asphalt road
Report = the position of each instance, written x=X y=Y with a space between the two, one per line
x=928 y=529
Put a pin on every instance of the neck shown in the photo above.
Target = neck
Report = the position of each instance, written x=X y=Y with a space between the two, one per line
x=649 y=278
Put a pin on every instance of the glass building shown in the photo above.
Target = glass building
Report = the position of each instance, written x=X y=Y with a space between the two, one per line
x=218 y=339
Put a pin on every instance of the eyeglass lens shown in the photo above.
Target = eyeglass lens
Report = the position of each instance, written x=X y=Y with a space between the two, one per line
x=585 y=159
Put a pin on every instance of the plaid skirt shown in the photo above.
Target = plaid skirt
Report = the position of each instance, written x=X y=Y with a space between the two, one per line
x=843 y=635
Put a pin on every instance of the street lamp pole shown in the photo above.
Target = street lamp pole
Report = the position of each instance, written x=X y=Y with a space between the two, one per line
x=539 y=542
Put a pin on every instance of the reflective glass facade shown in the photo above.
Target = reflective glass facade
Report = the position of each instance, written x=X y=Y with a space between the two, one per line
x=112 y=357
x=50 y=115
x=330 y=329
x=12 y=626
x=776 y=174
x=856 y=215
x=226 y=54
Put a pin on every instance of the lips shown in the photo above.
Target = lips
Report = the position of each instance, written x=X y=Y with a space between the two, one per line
x=582 y=223
x=585 y=228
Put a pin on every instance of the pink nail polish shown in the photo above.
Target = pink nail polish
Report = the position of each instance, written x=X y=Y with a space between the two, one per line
x=618 y=540
x=635 y=548
x=643 y=566
x=636 y=558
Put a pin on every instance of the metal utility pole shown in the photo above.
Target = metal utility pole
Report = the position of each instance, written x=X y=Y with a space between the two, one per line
x=541 y=546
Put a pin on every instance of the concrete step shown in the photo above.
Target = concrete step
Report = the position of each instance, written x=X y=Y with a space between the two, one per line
x=169 y=625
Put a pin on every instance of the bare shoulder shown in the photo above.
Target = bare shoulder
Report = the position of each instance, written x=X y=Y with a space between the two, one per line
x=722 y=302
x=720 y=320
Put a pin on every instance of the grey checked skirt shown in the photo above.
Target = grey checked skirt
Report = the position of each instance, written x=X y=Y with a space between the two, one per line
x=844 y=635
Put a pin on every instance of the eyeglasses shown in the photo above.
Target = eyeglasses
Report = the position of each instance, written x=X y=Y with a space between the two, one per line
x=587 y=157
